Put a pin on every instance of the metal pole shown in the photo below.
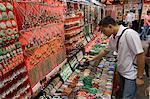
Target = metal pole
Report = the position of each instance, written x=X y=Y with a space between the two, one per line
x=140 y=15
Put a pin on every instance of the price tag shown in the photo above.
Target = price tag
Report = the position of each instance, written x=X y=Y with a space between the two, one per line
x=66 y=72
x=88 y=38
x=85 y=42
x=79 y=56
x=73 y=62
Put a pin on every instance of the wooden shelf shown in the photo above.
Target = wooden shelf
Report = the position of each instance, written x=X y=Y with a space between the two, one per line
x=37 y=87
x=73 y=19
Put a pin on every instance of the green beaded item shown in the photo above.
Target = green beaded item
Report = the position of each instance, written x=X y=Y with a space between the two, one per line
x=1 y=40
x=8 y=24
x=1 y=18
x=2 y=25
x=2 y=7
x=87 y=87
x=4 y=16
x=11 y=15
x=93 y=90
x=2 y=33
x=18 y=45
x=15 y=30
x=9 y=6
x=1 y=51
x=16 y=35
x=4 y=39
x=13 y=36
x=9 y=0
x=87 y=80
x=8 y=38
x=14 y=23
x=9 y=31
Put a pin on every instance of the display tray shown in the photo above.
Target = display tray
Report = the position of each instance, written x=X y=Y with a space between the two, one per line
x=87 y=81
x=94 y=82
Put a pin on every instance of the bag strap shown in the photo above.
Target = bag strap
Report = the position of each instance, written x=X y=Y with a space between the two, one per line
x=148 y=52
x=117 y=46
x=135 y=65
x=127 y=43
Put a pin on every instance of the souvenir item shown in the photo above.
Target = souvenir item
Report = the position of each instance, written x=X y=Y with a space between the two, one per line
x=11 y=55
x=9 y=31
x=1 y=17
x=8 y=24
x=4 y=16
x=2 y=7
x=2 y=25
x=11 y=15
x=9 y=0
x=9 y=6
x=14 y=23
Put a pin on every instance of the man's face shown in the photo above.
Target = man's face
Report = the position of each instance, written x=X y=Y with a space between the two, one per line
x=108 y=30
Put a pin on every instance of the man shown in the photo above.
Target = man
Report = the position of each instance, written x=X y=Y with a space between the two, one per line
x=130 y=18
x=130 y=54
x=146 y=26
x=124 y=19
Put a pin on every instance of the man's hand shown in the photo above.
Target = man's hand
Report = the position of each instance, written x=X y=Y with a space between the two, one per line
x=147 y=91
x=140 y=70
x=139 y=81
x=97 y=57
x=89 y=58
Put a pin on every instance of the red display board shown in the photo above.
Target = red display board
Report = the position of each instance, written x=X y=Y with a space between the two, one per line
x=42 y=36
x=146 y=1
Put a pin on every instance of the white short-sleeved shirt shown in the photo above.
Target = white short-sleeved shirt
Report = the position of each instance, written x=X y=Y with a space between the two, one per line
x=129 y=46
x=130 y=17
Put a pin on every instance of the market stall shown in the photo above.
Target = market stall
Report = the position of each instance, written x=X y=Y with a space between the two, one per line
x=84 y=80
x=43 y=48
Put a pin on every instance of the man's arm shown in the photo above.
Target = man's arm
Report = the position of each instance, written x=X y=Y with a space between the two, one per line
x=140 y=71
x=97 y=57
x=101 y=54
x=140 y=64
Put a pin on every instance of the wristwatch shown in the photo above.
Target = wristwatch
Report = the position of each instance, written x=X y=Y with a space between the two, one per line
x=140 y=77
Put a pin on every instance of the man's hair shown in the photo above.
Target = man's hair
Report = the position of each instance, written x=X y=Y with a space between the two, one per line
x=106 y=21
x=131 y=10
x=148 y=11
